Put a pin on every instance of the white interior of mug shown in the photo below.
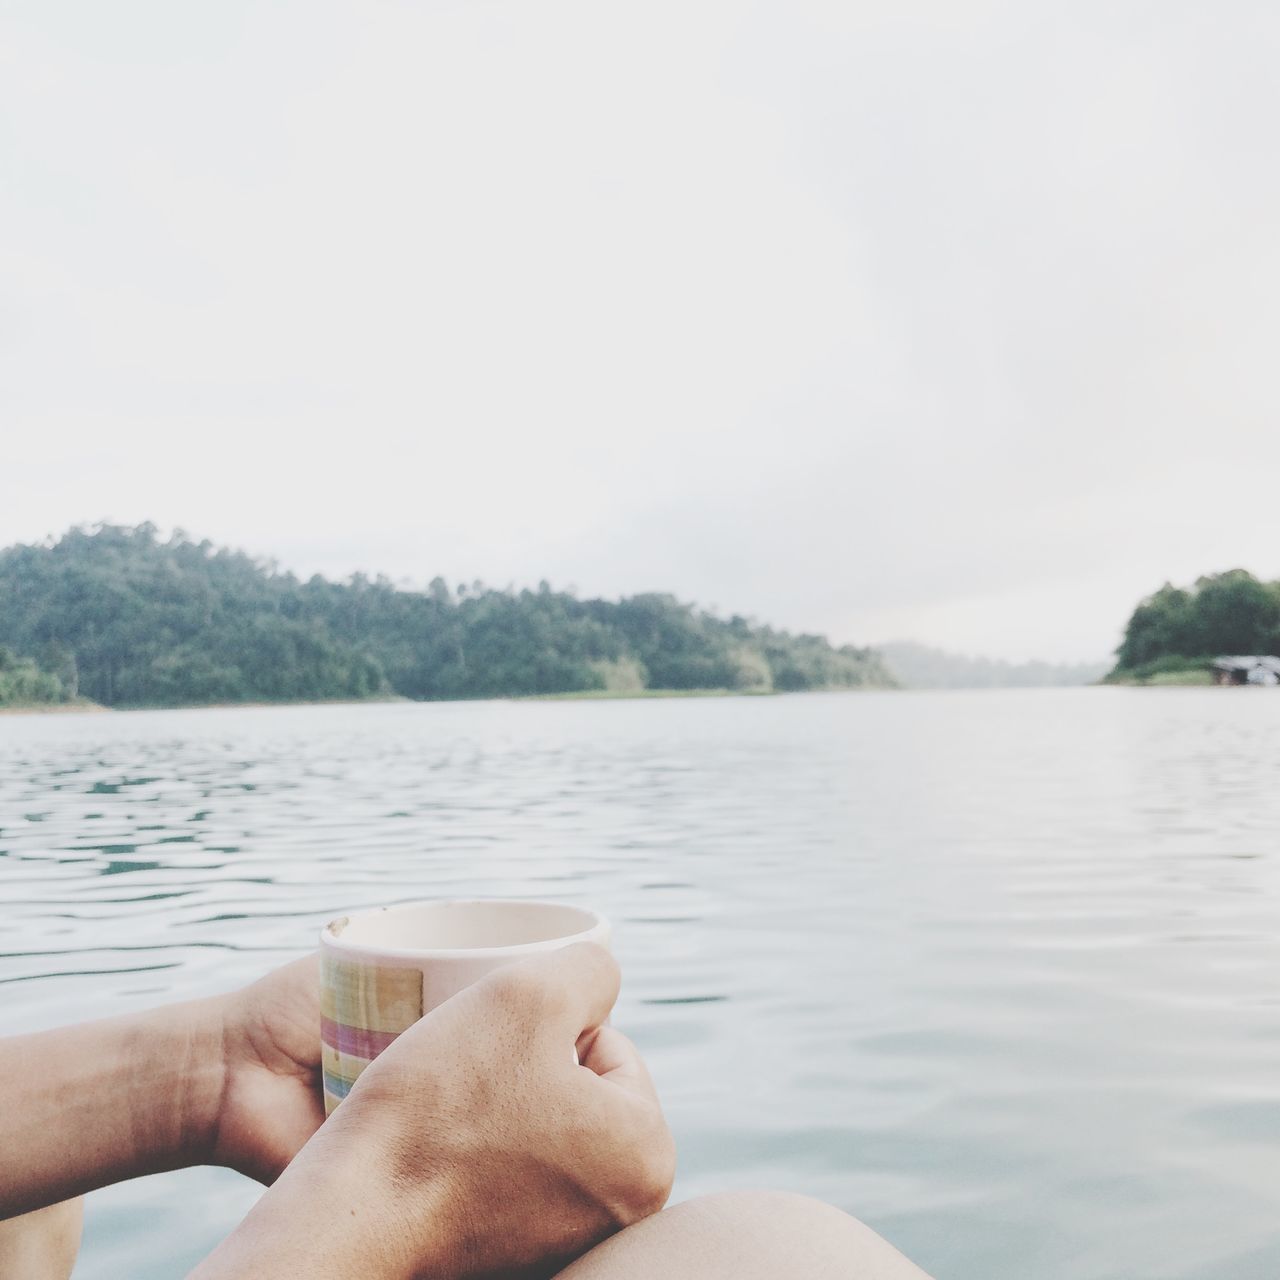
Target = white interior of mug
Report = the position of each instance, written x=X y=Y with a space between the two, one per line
x=461 y=926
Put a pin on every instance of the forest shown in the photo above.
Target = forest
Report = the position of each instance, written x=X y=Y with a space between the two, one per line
x=125 y=618
x=1180 y=630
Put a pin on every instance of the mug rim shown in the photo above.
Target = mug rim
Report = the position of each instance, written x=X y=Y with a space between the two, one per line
x=334 y=941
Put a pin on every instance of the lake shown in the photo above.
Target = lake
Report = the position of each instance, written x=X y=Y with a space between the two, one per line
x=998 y=972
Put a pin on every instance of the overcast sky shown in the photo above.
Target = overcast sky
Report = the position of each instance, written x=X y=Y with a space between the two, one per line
x=955 y=321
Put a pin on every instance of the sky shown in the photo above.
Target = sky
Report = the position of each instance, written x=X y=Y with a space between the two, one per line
x=951 y=321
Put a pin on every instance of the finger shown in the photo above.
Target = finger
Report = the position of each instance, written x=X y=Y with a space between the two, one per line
x=576 y=986
x=613 y=1057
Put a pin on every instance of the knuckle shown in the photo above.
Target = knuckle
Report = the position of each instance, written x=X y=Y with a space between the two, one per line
x=602 y=962
x=519 y=989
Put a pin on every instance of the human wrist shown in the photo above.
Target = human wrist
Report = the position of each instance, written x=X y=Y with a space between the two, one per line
x=404 y=1211
x=104 y=1101
x=176 y=1074
x=340 y=1210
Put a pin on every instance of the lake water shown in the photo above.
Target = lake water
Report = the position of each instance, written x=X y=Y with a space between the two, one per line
x=998 y=972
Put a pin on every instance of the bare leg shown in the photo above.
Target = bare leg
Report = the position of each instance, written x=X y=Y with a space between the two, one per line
x=42 y=1245
x=746 y=1235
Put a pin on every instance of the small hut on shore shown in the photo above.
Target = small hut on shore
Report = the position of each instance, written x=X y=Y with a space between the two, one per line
x=1247 y=669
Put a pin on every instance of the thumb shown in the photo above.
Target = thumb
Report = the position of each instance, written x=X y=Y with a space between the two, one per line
x=611 y=1056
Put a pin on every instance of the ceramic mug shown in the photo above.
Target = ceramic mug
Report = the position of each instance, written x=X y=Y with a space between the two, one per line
x=381 y=970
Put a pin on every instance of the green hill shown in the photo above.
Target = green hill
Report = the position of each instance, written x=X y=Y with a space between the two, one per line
x=125 y=618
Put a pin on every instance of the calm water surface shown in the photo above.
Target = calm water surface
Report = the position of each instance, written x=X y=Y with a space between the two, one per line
x=998 y=972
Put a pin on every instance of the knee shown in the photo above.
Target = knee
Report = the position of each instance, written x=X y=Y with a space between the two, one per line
x=733 y=1207
x=771 y=1226
x=746 y=1235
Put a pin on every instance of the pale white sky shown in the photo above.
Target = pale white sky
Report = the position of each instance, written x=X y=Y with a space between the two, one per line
x=948 y=320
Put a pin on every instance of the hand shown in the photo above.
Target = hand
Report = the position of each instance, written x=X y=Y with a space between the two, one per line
x=475 y=1145
x=270 y=1100
x=485 y=1122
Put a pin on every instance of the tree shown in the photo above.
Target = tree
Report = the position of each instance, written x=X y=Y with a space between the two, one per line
x=1224 y=613
x=23 y=683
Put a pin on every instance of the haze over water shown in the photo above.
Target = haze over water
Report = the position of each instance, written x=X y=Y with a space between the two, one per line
x=995 y=971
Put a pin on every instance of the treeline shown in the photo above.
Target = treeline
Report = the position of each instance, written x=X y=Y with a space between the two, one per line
x=122 y=617
x=1182 y=630
x=918 y=666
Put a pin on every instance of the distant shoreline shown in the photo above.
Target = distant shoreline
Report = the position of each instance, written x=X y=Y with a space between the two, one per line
x=578 y=695
x=58 y=708
x=1163 y=680
x=621 y=695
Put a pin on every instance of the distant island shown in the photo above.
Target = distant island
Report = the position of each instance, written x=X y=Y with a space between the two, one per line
x=1174 y=635
x=918 y=666
x=124 y=618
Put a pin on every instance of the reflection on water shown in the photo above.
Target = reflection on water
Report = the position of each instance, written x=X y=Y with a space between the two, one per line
x=995 y=971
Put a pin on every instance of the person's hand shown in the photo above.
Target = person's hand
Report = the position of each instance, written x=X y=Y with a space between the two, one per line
x=476 y=1144
x=269 y=1101
x=485 y=1122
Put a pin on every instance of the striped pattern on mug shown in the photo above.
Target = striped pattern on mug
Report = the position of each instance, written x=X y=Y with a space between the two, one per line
x=363 y=1008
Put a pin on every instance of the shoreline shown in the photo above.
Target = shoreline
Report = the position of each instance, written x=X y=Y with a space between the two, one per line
x=577 y=695
x=54 y=708
x=639 y=695
x=1164 y=680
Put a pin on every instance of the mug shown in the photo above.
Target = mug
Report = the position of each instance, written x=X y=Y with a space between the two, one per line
x=381 y=970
